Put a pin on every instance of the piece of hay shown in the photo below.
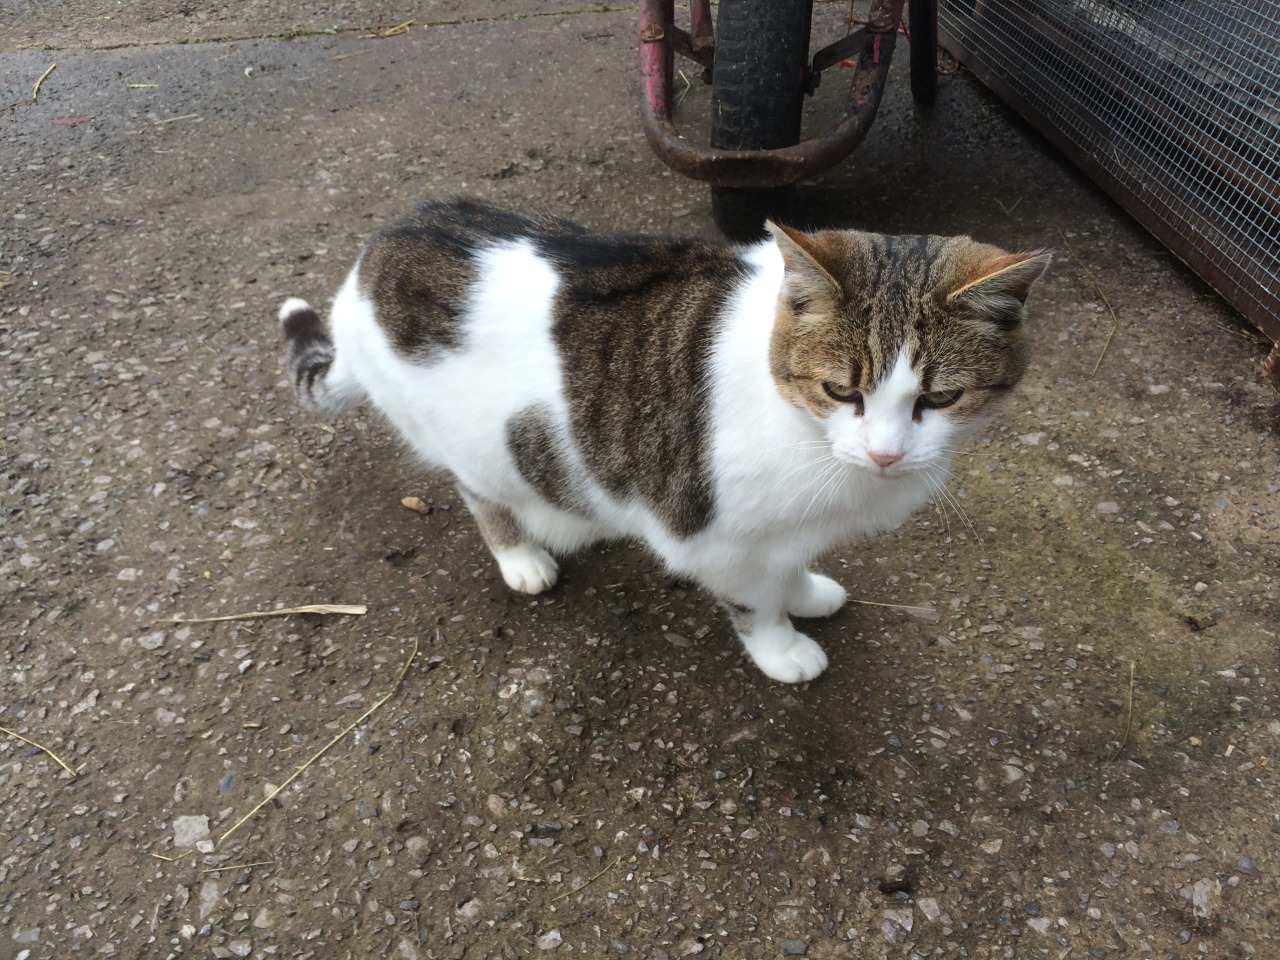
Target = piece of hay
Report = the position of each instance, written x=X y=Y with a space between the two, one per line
x=38 y=746
x=185 y=116
x=1128 y=724
x=894 y=606
x=583 y=886
x=379 y=34
x=354 y=609
x=325 y=749
x=35 y=91
x=238 y=866
x=1115 y=320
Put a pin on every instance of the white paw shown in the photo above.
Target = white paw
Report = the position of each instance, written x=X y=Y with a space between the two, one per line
x=528 y=569
x=783 y=653
x=818 y=596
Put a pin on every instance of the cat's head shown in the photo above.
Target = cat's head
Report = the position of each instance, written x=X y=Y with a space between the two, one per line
x=899 y=346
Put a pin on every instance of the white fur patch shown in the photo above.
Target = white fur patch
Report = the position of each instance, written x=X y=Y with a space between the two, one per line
x=292 y=305
x=885 y=426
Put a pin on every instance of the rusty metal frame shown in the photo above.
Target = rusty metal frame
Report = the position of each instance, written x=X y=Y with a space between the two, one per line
x=871 y=48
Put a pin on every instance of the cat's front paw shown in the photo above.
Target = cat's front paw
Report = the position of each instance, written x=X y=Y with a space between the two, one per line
x=817 y=596
x=528 y=568
x=783 y=653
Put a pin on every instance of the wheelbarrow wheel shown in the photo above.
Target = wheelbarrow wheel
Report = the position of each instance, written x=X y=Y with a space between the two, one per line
x=757 y=94
x=922 y=18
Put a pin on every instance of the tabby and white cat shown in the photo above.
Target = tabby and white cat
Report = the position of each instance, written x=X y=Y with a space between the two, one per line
x=738 y=409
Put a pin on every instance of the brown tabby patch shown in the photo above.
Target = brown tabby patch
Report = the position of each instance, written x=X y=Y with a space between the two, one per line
x=536 y=448
x=418 y=270
x=635 y=321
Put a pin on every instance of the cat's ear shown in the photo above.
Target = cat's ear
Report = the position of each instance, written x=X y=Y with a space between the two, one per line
x=807 y=277
x=995 y=285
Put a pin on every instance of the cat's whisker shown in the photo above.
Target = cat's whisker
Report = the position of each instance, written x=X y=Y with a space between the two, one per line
x=821 y=463
x=939 y=483
x=819 y=476
x=832 y=482
x=799 y=445
x=946 y=525
x=959 y=451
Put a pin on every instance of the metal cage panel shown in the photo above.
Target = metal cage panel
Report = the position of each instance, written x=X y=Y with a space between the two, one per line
x=1172 y=106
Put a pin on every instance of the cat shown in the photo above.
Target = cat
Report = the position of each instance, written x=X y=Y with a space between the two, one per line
x=740 y=410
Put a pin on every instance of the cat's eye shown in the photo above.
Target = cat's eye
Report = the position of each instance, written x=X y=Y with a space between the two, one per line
x=940 y=399
x=841 y=393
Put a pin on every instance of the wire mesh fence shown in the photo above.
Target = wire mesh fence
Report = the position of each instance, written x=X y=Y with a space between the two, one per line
x=1172 y=106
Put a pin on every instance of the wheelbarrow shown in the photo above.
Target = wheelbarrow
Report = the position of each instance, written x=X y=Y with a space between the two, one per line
x=756 y=59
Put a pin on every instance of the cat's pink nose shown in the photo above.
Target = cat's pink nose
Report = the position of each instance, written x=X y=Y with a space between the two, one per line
x=884 y=459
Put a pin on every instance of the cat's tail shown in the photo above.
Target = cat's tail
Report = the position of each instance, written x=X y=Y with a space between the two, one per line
x=319 y=378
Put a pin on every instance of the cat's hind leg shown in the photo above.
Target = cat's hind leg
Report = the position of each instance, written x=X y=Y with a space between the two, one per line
x=814 y=595
x=526 y=567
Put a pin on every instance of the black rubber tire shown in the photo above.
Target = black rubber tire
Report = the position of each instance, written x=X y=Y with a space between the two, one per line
x=757 y=96
x=922 y=22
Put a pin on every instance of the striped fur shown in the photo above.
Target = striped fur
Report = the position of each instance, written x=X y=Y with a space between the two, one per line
x=309 y=359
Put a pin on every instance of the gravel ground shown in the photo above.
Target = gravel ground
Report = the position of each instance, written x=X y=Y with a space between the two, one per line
x=1066 y=748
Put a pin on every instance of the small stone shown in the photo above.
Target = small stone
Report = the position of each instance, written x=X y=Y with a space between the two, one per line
x=188 y=831
x=1200 y=895
x=471 y=909
x=1108 y=506
x=1011 y=773
x=240 y=948
x=919 y=828
x=1040 y=925
x=1246 y=866
x=929 y=907
x=208 y=897
x=152 y=641
x=906 y=919
x=549 y=940
x=992 y=847
x=794 y=948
